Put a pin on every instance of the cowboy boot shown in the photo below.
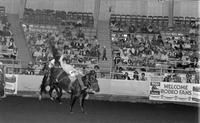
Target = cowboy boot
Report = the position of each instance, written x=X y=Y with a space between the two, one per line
x=90 y=90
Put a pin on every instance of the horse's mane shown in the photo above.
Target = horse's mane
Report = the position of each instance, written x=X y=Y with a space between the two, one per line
x=44 y=83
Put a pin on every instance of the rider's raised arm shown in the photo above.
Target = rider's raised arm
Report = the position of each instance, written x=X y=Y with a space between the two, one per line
x=61 y=59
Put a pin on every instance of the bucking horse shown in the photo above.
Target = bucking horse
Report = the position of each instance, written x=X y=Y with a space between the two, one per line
x=62 y=83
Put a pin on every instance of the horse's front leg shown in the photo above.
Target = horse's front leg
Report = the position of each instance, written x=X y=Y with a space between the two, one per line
x=72 y=101
x=42 y=90
x=50 y=92
x=40 y=95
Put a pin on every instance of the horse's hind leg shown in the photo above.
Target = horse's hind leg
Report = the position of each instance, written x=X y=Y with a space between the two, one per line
x=72 y=101
x=50 y=92
x=59 y=95
x=81 y=102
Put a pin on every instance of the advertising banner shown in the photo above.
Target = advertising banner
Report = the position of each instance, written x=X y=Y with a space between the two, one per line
x=196 y=93
x=11 y=84
x=179 y=92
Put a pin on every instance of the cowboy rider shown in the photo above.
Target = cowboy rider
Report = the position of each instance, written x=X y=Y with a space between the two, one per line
x=71 y=71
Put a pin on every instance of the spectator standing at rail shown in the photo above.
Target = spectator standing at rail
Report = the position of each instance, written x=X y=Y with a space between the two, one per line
x=126 y=77
x=2 y=83
x=104 y=54
x=118 y=73
x=30 y=68
x=135 y=75
x=143 y=77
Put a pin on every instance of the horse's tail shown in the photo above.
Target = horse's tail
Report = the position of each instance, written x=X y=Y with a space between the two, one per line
x=44 y=80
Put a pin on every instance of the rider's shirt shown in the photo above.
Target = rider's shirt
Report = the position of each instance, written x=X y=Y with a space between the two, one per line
x=69 y=69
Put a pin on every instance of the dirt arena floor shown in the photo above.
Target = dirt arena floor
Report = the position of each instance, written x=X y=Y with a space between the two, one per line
x=30 y=110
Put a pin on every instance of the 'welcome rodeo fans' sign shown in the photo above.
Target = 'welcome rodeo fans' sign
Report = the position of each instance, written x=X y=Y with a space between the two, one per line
x=180 y=92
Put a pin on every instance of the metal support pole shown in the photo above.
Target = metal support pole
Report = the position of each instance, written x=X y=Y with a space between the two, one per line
x=170 y=12
x=96 y=12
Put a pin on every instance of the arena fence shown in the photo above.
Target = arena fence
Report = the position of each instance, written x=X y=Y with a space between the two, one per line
x=15 y=67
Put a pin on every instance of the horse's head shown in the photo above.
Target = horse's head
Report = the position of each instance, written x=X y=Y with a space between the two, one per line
x=91 y=76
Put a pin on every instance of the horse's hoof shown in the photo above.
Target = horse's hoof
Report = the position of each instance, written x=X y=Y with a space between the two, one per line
x=87 y=96
x=52 y=98
x=4 y=96
x=84 y=112
x=60 y=103
x=71 y=112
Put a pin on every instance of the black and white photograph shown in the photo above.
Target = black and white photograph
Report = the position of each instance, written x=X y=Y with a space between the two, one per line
x=99 y=61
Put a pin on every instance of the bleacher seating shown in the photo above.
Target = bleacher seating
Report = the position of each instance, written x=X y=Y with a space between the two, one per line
x=8 y=50
x=51 y=17
x=159 y=23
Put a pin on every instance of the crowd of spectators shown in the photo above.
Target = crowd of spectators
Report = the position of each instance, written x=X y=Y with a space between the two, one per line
x=178 y=78
x=134 y=74
x=181 y=51
x=155 y=50
x=70 y=40
x=8 y=49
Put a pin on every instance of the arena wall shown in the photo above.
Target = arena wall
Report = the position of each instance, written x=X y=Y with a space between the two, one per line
x=112 y=90
x=107 y=86
x=29 y=82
